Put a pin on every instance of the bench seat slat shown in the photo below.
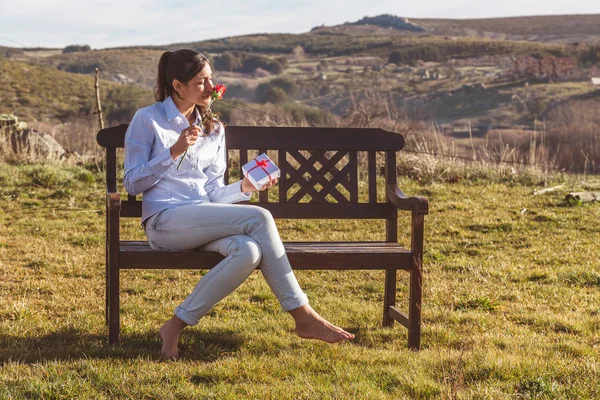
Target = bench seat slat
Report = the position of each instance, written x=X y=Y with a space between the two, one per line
x=302 y=255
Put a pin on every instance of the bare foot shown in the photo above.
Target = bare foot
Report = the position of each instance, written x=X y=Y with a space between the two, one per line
x=310 y=325
x=169 y=334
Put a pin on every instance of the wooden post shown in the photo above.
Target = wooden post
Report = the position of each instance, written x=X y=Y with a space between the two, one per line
x=98 y=105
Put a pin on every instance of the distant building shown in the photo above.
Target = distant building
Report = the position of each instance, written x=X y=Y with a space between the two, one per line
x=596 y=81
x=551 y=69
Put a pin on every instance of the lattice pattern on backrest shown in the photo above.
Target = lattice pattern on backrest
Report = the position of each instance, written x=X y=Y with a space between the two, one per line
x=318 y=176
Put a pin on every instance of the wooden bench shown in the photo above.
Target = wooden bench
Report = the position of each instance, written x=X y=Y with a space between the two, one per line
x=321 y=163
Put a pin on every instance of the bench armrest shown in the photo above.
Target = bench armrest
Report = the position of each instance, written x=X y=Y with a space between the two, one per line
x=417 y=204
x=113 y=201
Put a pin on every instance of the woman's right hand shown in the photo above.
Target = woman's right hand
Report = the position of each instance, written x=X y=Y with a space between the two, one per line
x=186 y=139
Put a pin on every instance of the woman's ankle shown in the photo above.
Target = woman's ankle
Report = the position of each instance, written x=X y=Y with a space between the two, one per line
x=175 y=324
x=303 y=314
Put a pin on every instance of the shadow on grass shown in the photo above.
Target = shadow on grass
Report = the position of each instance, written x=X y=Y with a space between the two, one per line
x=71 y=343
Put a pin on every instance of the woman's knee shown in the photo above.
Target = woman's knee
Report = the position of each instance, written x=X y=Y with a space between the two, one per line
x=247 y=250
x=260 y=216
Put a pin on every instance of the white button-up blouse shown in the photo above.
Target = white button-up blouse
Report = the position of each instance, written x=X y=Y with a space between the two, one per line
x=150 y=169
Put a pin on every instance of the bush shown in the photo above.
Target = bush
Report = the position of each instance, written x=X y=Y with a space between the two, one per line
x=274 y=67
x=303 y=115
x=261 y=73
x=323 y=65
x=8 y=52
x=240 y=91
x=81 y=67
x=275 y=95
x=283 y=61
x=537 y=107
x=252 y=62
x=590 y=56
x=289 y=87
x=411 y=54
x=122 y=102
x=573 y=135
x=227 y=62
x=74 y=48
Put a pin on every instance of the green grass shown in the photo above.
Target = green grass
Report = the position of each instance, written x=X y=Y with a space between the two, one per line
x=510 y=305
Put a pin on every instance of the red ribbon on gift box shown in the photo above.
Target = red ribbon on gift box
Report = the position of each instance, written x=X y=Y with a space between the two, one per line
x=262 y=164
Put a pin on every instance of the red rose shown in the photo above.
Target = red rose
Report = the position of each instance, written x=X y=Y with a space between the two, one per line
x=219 y=91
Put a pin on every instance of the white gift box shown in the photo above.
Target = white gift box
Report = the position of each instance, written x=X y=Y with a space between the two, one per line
x=261 y=171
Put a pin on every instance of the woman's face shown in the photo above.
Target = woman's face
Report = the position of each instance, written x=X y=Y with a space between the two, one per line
x=199 y=88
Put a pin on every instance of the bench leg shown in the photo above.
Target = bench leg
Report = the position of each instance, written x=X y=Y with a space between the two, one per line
x=416 y=284
x=107 y=299
x=389 y=297
x=414 y=308
x=107 y=273
x=113 y=309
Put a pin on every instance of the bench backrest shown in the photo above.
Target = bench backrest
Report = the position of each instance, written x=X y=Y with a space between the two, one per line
x=319 y=169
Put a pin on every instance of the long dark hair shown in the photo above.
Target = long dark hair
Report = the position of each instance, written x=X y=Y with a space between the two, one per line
x=182 y=65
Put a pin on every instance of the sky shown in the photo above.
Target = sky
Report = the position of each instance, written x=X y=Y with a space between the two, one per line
x=102 y=24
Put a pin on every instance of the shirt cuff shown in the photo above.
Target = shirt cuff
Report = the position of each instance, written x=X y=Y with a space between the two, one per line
x=233 y=193
x=162 y=163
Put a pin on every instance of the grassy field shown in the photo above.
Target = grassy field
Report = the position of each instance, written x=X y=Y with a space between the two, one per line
x=511 y=304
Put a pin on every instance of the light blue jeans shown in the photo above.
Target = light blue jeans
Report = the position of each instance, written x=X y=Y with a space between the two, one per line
x=245 y=235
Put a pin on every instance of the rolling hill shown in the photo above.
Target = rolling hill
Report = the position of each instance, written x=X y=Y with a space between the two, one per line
x=550 y=29
x=452 y=77
x=34 y=92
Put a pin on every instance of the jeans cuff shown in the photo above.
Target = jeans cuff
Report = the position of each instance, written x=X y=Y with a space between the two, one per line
x=185 y=316
x=295 y=303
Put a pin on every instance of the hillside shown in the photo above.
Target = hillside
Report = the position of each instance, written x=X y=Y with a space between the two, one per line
x=466 y=79
x=138 y=65
x=345 y=75
x=33 y=92
x=550 y=29
x=131 y=66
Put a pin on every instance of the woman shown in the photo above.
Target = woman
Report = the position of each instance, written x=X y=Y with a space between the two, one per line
x=188 y=207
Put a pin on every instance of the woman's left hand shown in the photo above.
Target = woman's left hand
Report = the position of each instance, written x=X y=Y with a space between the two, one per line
x=248 y=187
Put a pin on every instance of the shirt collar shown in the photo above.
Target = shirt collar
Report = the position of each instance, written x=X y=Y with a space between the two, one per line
x=173 y=112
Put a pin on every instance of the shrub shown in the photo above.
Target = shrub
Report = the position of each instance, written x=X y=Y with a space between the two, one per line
x=275 y=95
x=411 y=54
x=261 y=73
x=283 y=61
x=590 y=56
x=304 y=115
x=227 y=62
x=81 y=67
x=274 y=67
x=574 y=135
x=241 y=90
x=123 y=101
x=323 y=65
x=74 y=48
x=252 y=62
x=289 y=87
x=8 y=52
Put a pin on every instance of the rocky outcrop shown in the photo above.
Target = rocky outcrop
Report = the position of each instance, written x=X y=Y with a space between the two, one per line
x=391 y=21
x=26 y=142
